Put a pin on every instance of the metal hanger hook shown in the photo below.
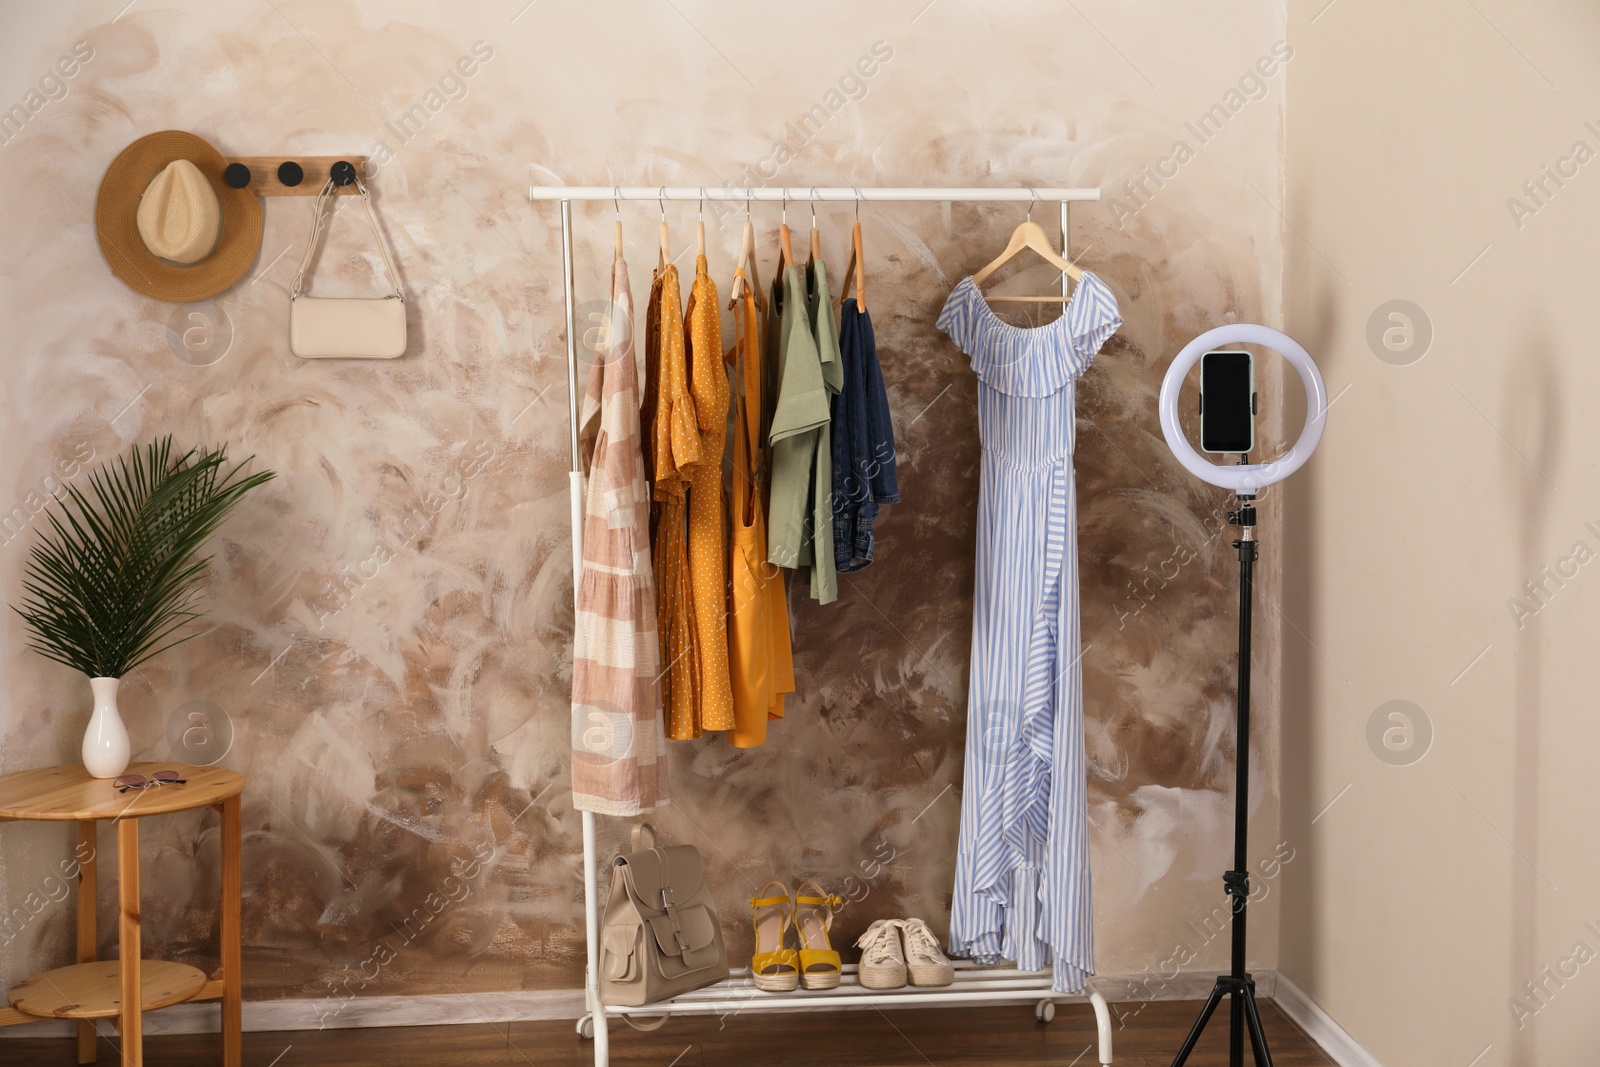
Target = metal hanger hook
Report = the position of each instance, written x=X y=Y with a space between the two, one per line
x=702 y=203
x=616 y=198
x=662 y=200
x=813 y=207
x=785 y=215
x=748 y=196
x=1033 y=198
x=858 y=203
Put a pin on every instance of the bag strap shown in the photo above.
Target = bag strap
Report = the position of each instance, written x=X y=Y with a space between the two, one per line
x=316 y=228
x=644 y=837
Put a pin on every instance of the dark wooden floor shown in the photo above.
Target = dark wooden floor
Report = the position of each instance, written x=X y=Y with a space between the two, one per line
x=949 y=1037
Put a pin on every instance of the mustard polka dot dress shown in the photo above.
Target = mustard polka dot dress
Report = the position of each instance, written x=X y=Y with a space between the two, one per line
x=708 y=533
x=676 y=442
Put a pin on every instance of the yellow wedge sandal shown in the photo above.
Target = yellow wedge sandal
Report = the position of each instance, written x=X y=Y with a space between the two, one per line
x=775 y=968
x=813 y=918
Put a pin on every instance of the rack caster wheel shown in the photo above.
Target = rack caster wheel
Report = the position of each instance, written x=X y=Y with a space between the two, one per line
x=1045 y=1010
x=585 y=1028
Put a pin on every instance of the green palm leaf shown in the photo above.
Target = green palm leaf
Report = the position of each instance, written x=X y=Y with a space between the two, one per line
x=118 y=574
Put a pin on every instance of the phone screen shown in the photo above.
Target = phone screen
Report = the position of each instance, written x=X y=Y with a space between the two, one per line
x=1227 y=402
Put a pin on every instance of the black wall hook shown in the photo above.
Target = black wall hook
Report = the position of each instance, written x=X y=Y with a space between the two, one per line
x=342 y=173
x=290 y=174
x=237 y=175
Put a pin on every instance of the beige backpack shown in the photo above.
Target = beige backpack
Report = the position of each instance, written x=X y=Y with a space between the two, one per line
x=659 y=935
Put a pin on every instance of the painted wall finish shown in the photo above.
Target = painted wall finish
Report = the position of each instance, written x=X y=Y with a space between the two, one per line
x=391 y=619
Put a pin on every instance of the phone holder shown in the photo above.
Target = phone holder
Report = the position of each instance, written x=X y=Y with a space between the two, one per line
x=1245 y=479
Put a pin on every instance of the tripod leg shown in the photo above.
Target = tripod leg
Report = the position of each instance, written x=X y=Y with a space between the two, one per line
x=1236 y=1030
x=1200 y=1024
x=1258 y=1036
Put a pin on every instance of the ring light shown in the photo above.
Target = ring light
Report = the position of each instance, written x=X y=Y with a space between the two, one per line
x=1244 y=478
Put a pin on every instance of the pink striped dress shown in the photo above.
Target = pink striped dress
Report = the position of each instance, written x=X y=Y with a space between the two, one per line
x=618 y=751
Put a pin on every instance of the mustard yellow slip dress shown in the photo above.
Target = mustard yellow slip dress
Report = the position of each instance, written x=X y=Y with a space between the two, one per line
x=759 y=653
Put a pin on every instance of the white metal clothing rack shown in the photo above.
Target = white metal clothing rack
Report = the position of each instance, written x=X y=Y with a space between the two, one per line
x=973 y=984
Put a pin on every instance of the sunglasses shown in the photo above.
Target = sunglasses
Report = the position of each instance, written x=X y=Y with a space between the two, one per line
x=139 y=781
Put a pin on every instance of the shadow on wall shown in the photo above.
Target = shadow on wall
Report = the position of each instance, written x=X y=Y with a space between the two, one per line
x=1531 y=412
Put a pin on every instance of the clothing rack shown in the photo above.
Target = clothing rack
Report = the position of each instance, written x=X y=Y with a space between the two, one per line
x=973 y=984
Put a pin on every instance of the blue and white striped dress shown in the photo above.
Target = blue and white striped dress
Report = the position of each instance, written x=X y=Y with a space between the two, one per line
x=1022 y=868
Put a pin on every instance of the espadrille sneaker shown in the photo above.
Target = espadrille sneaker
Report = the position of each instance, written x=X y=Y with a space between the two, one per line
x=883 y=963
x=926 y=964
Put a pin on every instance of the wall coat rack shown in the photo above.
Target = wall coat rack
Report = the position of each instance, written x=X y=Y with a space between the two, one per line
x=302 y=176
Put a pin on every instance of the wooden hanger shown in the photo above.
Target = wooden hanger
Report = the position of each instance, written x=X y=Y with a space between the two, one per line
x=785 y=247
x=1030 y=236
x=744 y=276
x=700 y=227
x=816 y=234
x=744 y=270
x=616 y=244
x=666 y=241
x=752 y=270
x=858 y=265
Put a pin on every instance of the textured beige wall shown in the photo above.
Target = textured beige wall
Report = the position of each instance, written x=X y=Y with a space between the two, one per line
x=415 y=722
x=1431 y=892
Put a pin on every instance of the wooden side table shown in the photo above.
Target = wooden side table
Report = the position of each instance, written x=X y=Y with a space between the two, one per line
x=124 y=988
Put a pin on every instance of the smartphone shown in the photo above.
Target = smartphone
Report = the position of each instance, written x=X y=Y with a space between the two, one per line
x=1227 y=402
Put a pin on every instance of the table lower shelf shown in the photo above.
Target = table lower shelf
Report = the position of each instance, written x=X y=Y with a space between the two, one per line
x=94 y=990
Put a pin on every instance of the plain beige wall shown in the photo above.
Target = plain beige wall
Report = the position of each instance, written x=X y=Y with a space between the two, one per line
x=1428 y=894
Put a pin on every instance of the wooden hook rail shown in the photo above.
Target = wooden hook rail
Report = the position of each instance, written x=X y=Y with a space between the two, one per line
x=300 y=176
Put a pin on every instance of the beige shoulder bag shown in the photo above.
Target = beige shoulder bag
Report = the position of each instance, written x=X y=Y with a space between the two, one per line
x=659 y=935
x=359 y=328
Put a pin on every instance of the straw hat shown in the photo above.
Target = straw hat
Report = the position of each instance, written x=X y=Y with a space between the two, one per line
x=169 y=225
x=179 y=217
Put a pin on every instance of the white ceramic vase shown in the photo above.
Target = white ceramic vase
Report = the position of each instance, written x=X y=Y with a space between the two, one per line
x=105 y=743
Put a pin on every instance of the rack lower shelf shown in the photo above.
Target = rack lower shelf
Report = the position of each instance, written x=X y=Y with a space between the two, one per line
x=94 y=990
x=973 y=984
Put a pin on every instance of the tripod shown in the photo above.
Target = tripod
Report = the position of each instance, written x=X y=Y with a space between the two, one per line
x=1238 y=984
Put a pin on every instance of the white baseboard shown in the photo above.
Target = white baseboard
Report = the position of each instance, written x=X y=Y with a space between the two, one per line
x=1320 y=1027
x=334 y=1014
x=1124 y=989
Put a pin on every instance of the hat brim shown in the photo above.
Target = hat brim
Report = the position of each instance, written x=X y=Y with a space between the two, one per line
x=117 y=226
